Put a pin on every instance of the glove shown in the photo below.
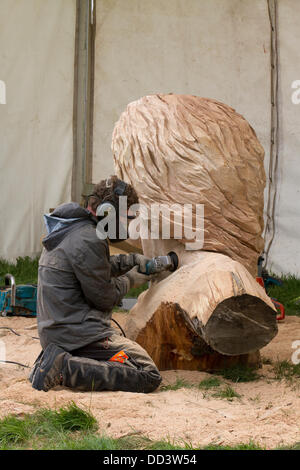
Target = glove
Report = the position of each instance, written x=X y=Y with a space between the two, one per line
x=136 y=278
x=141 y=261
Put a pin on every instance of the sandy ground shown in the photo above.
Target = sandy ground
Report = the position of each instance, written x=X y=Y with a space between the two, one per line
x=268 y=411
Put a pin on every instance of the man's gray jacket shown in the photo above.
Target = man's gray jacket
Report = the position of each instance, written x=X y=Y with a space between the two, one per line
x=76 y=287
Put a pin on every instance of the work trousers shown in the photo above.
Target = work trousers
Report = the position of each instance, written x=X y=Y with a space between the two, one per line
x=90 y=368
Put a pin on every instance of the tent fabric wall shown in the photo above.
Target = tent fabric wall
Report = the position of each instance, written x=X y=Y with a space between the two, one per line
x=37 y=39
x=212 y=48
x=285 y=251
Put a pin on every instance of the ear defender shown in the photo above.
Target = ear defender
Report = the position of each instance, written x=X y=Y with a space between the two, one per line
x=120 y=188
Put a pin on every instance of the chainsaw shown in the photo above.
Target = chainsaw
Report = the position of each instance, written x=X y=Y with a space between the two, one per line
x=19 y=301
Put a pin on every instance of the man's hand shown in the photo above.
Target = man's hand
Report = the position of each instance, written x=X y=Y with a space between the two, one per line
x=121 y=264
x=141 y=261
x=136 y=278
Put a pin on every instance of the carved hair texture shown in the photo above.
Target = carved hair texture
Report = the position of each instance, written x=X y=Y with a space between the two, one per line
x=186 y=149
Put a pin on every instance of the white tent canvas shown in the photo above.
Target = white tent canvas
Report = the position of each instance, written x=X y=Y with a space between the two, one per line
x=212 y=48
x=37 y=40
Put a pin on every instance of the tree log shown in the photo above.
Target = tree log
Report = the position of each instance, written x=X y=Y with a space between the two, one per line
x=208 y=314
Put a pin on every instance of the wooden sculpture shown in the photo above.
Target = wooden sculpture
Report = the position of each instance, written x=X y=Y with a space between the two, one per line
x=186 y=150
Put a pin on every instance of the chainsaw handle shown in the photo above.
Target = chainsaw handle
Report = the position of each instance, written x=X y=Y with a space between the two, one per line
x=10 y=281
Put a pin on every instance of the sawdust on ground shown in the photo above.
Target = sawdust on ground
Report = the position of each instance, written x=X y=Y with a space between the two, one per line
x=268 y=411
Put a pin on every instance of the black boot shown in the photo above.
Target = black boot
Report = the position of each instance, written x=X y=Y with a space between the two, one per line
x=47 y=372
x=85 y=374
x=35 y=366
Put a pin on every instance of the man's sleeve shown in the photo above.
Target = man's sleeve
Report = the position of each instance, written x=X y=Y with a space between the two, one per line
x=121 y=264
x=92 y=268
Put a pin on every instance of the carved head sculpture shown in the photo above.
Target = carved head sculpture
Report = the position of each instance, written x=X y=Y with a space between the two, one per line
x=190 y=150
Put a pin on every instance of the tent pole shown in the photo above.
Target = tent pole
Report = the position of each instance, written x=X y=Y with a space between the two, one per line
x=274 y=144
x=83 y=99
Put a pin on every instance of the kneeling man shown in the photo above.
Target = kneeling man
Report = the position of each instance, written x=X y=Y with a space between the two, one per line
x=78 y=286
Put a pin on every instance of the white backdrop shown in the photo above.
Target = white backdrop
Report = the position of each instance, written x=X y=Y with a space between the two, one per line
x=36 y=143
x=214 y=48
x=285 y=250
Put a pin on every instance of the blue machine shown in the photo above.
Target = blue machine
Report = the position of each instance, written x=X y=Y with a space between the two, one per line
x=17 y=301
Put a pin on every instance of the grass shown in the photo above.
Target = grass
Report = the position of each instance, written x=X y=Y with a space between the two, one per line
x=286 y=370
x=180 y=383
x=211 y=382
x=136 y=291
x=45 y=424
x=288 y=294
x=206 y=384
x=235 y=374
x=13 y=430
x=71 y=418
x=25 y=270
x=73 y=428
x=227 y=393
x=239 y=373
x=250 y=446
